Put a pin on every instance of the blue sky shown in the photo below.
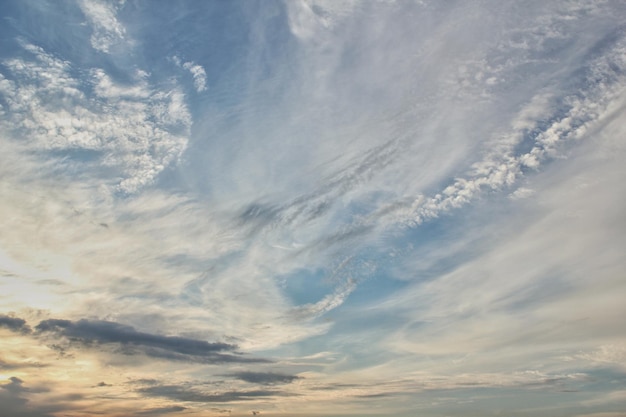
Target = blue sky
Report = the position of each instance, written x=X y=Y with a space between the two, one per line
x=312 y=208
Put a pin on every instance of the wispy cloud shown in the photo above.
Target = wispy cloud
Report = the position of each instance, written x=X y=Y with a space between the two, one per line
x=182 y=393
x=197 y=72
x=107 y=30
x=199 y=75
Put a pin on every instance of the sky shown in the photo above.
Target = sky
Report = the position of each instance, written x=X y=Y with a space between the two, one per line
x=306 y=208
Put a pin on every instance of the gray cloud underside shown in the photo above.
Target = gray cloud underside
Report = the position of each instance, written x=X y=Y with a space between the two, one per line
x=15 y=324
x=162 y=410
x=127 y=340
x=111 y=332
x=131 y=341
x=312 y=211
x=14 y=404
x=264 y=378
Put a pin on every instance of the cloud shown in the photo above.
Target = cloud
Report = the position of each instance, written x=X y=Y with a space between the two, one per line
x=264 y=378
x=310 y=17
x=20 y=365
x=425 y=192
x=197 y=72
x=119 y=135
x=13 y=397
x=107 y=30
x=162 y=410
x=526 y=282
x=130 y=341
x=15 y=324
x=502 y=171
x=182 y=393
x=199 y=75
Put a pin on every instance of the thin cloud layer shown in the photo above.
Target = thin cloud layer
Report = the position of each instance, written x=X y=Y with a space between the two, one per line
x=183 y=394
x=312 y=207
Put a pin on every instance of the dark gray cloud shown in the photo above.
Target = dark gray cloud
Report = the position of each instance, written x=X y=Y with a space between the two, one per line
x=264 y=378
x=13 y=401
x=182 y=393
x=14 y=324
x=111 y=332
x=162 y=410
x=127 y=340
x=379 y=395
x=175 y=356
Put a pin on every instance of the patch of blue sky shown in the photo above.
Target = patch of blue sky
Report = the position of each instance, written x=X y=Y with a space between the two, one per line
x=443 y=243
x=31 y=21
x=602 y=378
x=67 y=39
x=220 y=37
x=304 y=286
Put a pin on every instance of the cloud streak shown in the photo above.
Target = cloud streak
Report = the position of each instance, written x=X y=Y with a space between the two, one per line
x=181 y=393
x=15 y=324
x=264 y=378
x=90 y=333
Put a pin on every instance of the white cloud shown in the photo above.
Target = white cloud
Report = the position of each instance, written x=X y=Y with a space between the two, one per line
x=521 y=192
x=197 y=72
x=107 y=30
x=612 y=354
x=199 y=75
x=132 y=129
